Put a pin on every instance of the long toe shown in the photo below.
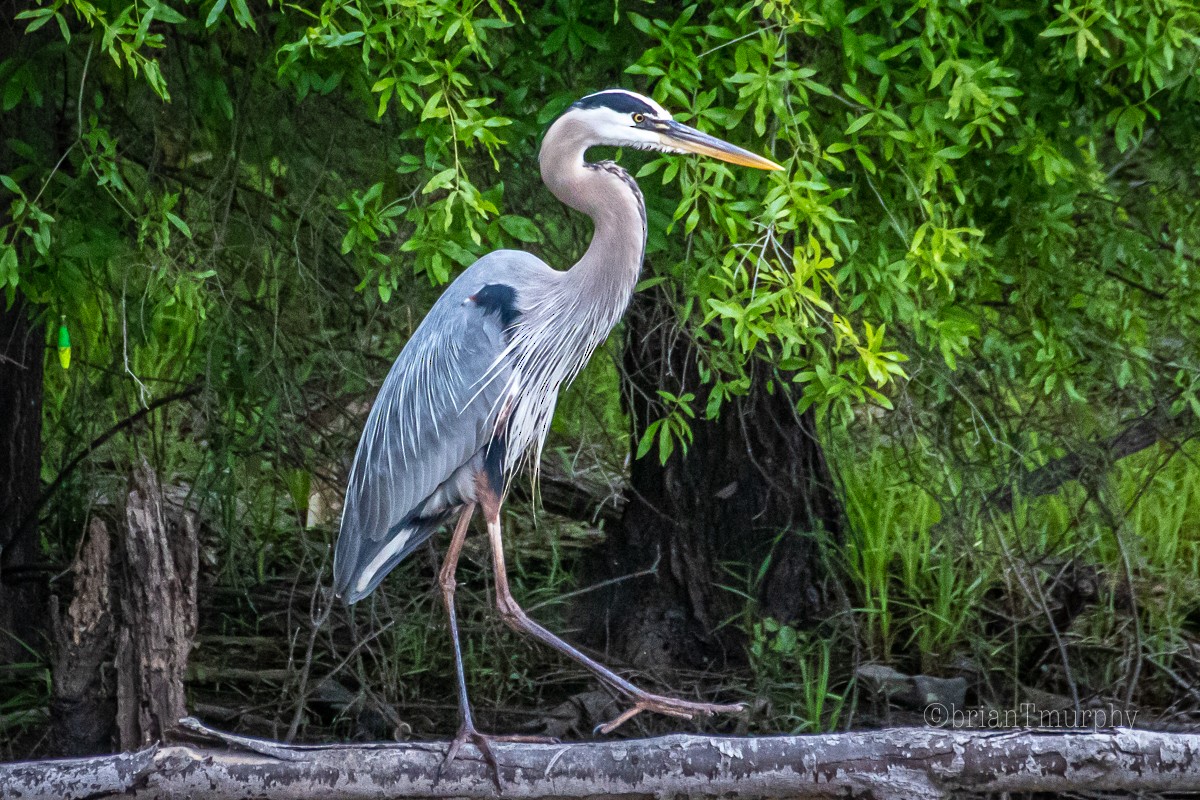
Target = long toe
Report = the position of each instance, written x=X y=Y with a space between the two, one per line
x=686 y=709
x=469 y=734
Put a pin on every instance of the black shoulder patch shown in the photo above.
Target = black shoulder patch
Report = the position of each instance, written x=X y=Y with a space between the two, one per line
x=498 y=298
x=619 y=101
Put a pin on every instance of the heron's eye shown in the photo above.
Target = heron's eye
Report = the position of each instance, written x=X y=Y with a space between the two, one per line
x=638 y=119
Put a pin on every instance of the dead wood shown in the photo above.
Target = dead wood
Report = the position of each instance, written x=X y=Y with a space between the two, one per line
x=159 y=616
x=911 y=763
x=83 y=703
x=574 y=498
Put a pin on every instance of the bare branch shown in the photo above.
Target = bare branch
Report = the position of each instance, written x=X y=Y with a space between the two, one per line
x=130 y=421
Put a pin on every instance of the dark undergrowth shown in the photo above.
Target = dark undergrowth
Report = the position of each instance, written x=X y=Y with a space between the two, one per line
x=1045 y=613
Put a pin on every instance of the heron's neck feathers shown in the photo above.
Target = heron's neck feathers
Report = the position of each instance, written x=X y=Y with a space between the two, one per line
x=576 y=311
x=610 y=196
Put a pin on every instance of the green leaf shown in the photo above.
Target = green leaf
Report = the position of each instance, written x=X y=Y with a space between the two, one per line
x=951 y=153
x=666 y=444
x=166 y=13
x=215 y=13
x=520 y=228
x=179 y=224
x=1059 y=30
x=1129 y=126
x=40 y=17
x=8 y=265
x=647 y=440
x=440 y=181
x=241 y=13
x=859 y=123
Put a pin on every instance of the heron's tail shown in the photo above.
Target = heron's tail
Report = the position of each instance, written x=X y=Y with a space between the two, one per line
x=360 y=565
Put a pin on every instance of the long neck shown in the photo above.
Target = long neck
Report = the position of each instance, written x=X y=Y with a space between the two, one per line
x=573 y=312
x=607 y=194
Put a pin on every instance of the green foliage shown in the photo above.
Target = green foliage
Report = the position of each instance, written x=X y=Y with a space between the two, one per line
x=950 y=173
x=796 y=666
x=945 y=171
x=907 y=569
x=671 y=428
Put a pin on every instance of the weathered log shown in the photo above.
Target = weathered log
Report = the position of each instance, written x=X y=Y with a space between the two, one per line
x=910 y=763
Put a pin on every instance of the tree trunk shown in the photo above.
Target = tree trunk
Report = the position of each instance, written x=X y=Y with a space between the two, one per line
x=122 y=647
x=24 y=592
x=83 y=705
x=23 y=595
x=753 y=489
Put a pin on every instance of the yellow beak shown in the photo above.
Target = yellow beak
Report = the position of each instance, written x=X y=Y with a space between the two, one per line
x=690 y=140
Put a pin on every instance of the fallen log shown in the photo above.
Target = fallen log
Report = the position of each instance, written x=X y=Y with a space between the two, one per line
x=912 y=763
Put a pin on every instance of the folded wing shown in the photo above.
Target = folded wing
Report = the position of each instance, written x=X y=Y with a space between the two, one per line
x=434 y=413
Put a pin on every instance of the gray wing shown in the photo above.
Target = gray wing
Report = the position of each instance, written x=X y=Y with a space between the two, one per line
x=435 y=411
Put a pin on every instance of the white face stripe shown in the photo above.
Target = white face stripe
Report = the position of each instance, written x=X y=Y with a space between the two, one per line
x=605 y=126
x=596 y=120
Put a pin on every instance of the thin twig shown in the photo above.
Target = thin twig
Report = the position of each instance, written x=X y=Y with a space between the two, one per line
x=650 y=570
x=318 y=620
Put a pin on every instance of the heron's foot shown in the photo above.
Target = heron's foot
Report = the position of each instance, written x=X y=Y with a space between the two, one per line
x=468 y=733
x=671 y=707
x=483 y=742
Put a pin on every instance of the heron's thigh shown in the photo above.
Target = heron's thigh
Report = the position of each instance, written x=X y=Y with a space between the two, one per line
x=487 y=495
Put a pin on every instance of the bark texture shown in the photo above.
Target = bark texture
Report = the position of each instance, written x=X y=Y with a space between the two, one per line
x=158 y=612
x=752 y=488
x=48 y=128
x=913 y=764
x=122 y=646
x=23 y=595
x=83 y=704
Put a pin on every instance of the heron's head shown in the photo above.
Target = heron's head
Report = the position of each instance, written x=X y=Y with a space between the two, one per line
x=625 y=119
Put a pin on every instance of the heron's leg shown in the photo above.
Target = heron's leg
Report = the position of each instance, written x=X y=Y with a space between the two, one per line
x=518 y=620
x=467 y=729
x=448 y=584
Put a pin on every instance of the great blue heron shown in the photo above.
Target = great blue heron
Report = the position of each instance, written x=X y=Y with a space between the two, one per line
x=472 y=393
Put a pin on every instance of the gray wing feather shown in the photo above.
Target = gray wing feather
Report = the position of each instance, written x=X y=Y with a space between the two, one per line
x=435 y=411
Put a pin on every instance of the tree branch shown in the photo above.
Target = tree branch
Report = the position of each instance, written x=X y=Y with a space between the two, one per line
x=1145 y=432
x=573 y=499
x=911 y=763
x=99 y=441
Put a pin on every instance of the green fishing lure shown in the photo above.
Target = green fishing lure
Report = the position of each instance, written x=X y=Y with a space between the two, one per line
x=64 y=344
